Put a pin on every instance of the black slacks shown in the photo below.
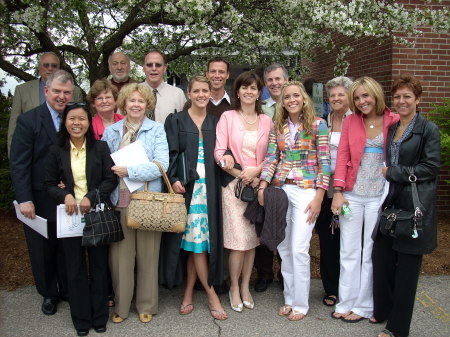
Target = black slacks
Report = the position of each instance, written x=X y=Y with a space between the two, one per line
x=264 y=262
x=329 y=249
x=395 y=278
x=47 y=262
x=88 y=292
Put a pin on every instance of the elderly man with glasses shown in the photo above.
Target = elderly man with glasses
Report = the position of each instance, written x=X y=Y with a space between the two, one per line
x=31 y=94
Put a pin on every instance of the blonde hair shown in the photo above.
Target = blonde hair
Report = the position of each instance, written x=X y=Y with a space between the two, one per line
x=198 y=78
x=373 y=88
x=281 y=114
x=143 y=90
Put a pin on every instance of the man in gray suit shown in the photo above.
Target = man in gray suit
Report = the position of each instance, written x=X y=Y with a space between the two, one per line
x=31 y=94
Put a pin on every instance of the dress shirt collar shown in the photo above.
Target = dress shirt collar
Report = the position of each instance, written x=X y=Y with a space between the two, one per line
x=56 y=116
x=74 y=149
x=225 y=96
x=270 y=101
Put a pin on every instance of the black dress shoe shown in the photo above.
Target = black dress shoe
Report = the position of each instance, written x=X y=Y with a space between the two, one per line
x=262 y=284
x=100 y=329
x=83 y=332
x=49 y=306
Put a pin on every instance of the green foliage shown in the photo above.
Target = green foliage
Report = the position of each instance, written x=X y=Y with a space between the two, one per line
x=441 y=116
x=6 y=188
x=83 y=33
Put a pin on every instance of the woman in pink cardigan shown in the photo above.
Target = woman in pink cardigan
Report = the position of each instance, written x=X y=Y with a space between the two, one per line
x=245 y=132
x=359 y=183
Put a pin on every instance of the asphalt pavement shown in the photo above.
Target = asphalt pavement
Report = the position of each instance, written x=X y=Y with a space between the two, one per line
x=20 y=316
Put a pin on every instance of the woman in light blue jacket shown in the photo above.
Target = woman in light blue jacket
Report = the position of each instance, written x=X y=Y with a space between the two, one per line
x=140 y=248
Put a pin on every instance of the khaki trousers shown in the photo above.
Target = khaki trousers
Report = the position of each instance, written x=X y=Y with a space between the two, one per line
x=139 y=247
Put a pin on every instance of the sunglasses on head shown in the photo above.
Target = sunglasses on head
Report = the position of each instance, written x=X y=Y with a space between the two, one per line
x=156 y=65
x=76 y=105
x=48 y=65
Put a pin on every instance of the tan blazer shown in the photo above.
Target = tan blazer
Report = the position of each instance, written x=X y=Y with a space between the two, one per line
x=26 y=97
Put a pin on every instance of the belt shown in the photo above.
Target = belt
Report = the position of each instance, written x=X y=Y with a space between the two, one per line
x=373 y=150
x=290 y=181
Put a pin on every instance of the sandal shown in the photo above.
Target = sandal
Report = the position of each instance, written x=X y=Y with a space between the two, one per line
x=331 y=298
x=219 y=315
x=296 y=315
x=334 y=313
x=285 y=310
x=373 y=320
x=186 y=309
x=347 y=319
x=387 y=333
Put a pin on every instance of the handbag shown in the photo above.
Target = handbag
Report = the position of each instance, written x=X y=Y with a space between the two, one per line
x=245 y=193
x=102 y=226
x=402 y=224
x=156 y=211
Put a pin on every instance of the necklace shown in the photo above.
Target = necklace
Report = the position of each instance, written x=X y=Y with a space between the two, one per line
x=246 y=121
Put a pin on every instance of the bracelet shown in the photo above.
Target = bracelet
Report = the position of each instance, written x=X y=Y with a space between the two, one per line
x=260 y=188
x=337 y=190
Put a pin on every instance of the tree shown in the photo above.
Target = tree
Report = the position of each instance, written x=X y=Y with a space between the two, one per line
x=84 y=33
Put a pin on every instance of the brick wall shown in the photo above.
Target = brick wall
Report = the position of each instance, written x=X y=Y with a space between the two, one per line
x=428 y=60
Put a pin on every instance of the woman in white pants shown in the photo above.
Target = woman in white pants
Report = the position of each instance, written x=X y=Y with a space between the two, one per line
x=359 y=183
x=298 y=160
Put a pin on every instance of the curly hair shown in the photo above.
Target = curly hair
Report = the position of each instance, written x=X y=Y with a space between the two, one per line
x=407 y=81
x=281 y=114
x=142 y=89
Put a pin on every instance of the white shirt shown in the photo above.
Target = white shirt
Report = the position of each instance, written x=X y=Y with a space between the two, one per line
x=216 y=103
x=168 y=99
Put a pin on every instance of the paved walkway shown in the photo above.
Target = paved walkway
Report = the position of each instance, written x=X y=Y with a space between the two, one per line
x=21 y=316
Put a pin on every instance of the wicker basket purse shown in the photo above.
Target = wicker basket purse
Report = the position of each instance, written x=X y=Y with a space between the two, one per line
x=155 y=211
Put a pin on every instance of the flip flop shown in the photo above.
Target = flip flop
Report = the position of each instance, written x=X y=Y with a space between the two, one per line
x=347 y=320
x=331 y=298
x=296 y=315
x=219 y=315
x=186 y=309
x=285 y=310
x=340 y=317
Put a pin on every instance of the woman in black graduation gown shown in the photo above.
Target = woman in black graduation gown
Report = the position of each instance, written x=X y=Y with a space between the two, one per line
x=192 y=134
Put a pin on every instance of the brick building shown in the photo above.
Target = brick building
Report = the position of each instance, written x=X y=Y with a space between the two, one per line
x=428 y=60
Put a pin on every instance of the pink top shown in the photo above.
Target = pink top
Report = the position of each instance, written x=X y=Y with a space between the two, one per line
x=98 y=127
x=230 y=133
x=351 y=147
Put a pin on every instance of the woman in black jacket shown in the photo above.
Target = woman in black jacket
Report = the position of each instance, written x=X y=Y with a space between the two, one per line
x=412 y=142
x=83 y=165
x=192 y=133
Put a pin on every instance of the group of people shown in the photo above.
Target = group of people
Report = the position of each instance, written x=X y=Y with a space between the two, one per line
x=60 y=154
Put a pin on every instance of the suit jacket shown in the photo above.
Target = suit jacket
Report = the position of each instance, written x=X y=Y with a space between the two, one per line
x=29 y=149
x=26 y=97
x=98 y=173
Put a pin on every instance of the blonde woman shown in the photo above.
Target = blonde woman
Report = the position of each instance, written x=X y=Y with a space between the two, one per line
x=298 y=160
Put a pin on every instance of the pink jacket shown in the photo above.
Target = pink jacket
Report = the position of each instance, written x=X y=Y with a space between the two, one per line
x=230 y=135
x=351 y=147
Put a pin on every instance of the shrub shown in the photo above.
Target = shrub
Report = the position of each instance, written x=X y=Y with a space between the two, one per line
x=6 y=188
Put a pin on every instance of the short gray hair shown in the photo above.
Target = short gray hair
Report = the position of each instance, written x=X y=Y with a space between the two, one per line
x=342 y=81
x=61 y=76
x=275 y=66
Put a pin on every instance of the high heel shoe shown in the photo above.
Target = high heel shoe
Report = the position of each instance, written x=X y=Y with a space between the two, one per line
x=248 y=305
x=237 y=308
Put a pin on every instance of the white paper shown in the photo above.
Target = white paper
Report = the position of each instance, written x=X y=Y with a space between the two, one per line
x=68 y=226
x=38 y=224
x=133 y=154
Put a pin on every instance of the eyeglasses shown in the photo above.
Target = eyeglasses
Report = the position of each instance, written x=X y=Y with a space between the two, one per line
x=48 y=65
x=156 y=65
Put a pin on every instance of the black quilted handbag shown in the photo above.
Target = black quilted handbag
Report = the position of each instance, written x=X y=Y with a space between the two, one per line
x=102 y=227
